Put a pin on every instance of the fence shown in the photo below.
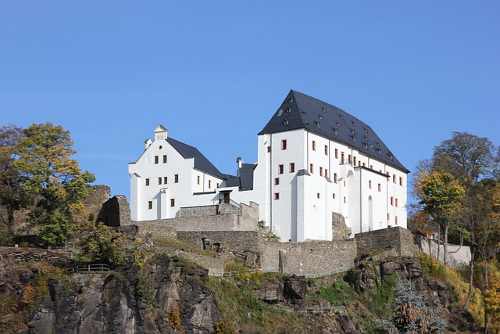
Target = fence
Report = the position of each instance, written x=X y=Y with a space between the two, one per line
x=88 y=268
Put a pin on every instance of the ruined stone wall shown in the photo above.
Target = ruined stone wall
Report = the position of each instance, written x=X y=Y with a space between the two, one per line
x=236 y=241
x=310 y=258
x=395 y=241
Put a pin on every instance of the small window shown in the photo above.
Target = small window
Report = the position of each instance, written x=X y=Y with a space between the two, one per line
x=379 y=187
x=333 y=196
x=388 y=216
x=150 y=205
x=268 y=149
x=164 y=158
x=400 y=181
x=314 y=145
x=198 y=179
x=209 y=184
x=392 y=200
x=311 y=168
x=370 y=184
x=349 y=159
x=276 y=196
x=326 y=149
x=280 y=169
x=156 y=159
x=396 y=202
x=318 y=195
x=321 y=171
x=147 y=182
x=176 y=178
x=283 y=144
x=335 y=180
x=326 y=172
x=276 y=181
x=342 y=158
x=164 y=180
x=345 y=199
x=172 y=202
x=354 y=159
x=292 y=167
x=217 y=185
x=364 y=164
x=396 y=220
x=336 y=153
x=159 y=180
x=394 y=178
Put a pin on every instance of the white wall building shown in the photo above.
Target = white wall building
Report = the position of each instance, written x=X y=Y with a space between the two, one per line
x=314 y=160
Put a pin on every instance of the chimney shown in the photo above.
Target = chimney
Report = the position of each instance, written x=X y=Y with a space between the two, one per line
x=239 y=161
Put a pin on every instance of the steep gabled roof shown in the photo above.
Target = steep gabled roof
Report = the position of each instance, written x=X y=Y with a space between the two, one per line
x=300 y=111
x=200 y=161
x=246 y=176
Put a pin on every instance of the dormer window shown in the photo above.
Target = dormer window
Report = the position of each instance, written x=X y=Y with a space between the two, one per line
x=288 y=110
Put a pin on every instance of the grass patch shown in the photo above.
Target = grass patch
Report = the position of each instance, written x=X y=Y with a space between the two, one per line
x=338 y=294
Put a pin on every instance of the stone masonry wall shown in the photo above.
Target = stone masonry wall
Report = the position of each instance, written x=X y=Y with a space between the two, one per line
x=395 y=241
x=311 y=258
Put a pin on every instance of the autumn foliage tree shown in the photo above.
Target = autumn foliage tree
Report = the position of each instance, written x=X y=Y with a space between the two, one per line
x=52 y=179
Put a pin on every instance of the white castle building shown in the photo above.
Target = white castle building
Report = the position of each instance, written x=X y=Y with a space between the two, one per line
x=314 y=161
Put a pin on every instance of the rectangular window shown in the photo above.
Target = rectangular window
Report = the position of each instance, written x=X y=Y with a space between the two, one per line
x=334 y=196
x=396 y=220
x=326 y=172
x=349 y=159
x=370 y=184
x=283 y=144
x=164 y=180
x=176 y=178
x=164 y=158
x=209 y=184
x=269 y=149
x=392 y=200
x=159 y=180
x=388 y=216
x=394 y=178
x=364 y=164
x=396 y=202
x=345 y=199
x=276 y=196
x=354 y=161
x=147 y=182
x=311 y=168
x=400 y=181
x=342 y=158
x=198 y=179
x=156 y=159
x=276 y=181
x=292 y=167
x=280 y=169
x=172 y=202
x=326 y=149
x=150 y=205
x=318 y=195
x=336 y=153
x=335 y=177
x=321 y=171
x=314 y=145
x=379 y=187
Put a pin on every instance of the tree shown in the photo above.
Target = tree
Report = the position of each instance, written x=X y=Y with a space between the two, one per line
x=12 y=196
x=467 y=157
x=52 y=178
x=441 y=196
x=411 y=315
x=101 y=243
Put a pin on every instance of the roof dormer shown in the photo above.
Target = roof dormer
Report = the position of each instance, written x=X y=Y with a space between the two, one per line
x=160 y=133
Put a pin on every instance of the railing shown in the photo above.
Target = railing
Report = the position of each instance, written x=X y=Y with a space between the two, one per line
x=313 y=310
x=88 y=268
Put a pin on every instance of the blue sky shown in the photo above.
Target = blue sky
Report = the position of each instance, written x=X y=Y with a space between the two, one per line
x=214 y=72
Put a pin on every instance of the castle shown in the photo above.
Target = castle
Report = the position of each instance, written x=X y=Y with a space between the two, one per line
x=317 y=165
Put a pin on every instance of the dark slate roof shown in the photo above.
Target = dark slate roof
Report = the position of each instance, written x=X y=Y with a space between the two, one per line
x=200 y=162
x=300 y=111
x=246 y=176
x=231 y=180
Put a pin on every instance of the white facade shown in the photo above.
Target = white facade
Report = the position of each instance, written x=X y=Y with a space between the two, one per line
x=301 y=179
